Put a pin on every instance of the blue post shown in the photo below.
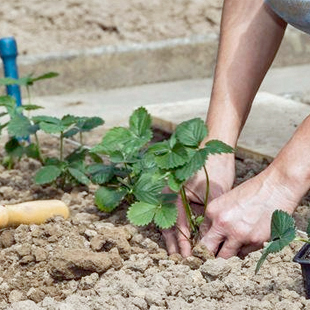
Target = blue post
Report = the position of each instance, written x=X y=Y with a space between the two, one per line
x=8 y=54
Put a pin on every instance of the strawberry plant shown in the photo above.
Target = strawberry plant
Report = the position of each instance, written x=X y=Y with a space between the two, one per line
x=283 y=232
x=64 y=171
x=140 y=171
x=69 y=170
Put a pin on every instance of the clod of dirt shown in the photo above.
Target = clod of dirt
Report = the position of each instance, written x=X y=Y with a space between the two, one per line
x=202 y=252
x=215 y=269
x=77 y=263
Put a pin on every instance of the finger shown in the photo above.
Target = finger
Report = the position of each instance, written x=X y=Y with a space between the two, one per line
x=205 y=226
x=182 y=231
x=212 y=240
x=170 y=241
x=183 y=237
x=229 y=249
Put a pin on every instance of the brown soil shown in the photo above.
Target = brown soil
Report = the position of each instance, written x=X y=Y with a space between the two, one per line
x=100 y=261
x=47 y=27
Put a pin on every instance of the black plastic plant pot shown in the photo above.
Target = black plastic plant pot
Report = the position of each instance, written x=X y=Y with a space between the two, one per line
x=303 y=258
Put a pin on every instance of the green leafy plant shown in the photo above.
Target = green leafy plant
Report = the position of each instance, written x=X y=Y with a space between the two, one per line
x=64 y=171
x=19 y=126
x=69 y=170
x=283 y=232
x=141 y=171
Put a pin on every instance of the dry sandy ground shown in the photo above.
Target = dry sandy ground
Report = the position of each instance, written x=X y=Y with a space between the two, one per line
x=60 y=25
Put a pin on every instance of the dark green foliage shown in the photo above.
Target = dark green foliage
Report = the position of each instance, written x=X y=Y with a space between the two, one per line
x=283 y=232
x=68 y=171
x=152 y=168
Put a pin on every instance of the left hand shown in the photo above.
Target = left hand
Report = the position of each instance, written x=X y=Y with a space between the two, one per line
x=238 y=222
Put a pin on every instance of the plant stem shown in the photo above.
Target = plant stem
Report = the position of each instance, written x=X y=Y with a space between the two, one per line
x=41 y=159
x=302 y=240
x=29 y=97
x=177 y=227
x=61 y=147
x=129 y=177
x=207 y=188
x=81 y=138
x=187 y=209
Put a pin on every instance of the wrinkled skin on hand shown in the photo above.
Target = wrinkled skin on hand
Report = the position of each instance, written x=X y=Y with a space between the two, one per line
x=221 y=172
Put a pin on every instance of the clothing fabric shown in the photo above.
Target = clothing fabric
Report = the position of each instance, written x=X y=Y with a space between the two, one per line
x=294 y=12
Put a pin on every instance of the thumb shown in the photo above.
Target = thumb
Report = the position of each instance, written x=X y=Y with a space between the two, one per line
x=212 y=240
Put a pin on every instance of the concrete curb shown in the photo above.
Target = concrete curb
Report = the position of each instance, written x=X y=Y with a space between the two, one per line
x=109 y=67
x=271 y=123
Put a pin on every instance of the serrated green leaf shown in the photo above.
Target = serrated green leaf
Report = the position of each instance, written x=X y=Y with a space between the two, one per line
x=218 y=147
x=107 y=199
x=47 y=175
x=175 y=157
x=51 y=128
x=140 y=123
x=173 y=183
x=8 y=81
x=45 y=76
x=100 y=173
x=68 y=120
x=120 y=142
x=116 y=139
x=30 y=107
x=283 y=232
x=95 y=157
x=19 y=126
x=53 y=161
x=144 y=164
x=79 y=176
x=141 y=213
x=88 y=123
x=78 y=154
x=71 y=132
x=148 y=187
x=13 y=148
x=191 y=132
x=9 y=103
x=159 y=148
x=195 y=163
x=46 y=119
x=166 y=216
x=32 y=151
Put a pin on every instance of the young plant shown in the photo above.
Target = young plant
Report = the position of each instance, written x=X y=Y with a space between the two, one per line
x=20 y=127
x=69 y=170
x=283 y=232
x=142 y=171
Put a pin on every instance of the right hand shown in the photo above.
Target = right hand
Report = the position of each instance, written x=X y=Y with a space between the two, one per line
x=221 y=172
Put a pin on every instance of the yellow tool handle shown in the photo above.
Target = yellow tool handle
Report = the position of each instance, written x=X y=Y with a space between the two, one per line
x=32 y=212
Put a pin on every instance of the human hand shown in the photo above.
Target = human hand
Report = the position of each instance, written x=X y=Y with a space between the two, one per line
x=221 y=172
x=238 y=222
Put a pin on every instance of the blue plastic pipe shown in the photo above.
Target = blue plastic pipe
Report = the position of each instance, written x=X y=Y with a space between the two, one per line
x=8 y=54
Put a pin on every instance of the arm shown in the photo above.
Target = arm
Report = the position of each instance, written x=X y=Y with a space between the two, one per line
x=250 y=37
x=240 y=219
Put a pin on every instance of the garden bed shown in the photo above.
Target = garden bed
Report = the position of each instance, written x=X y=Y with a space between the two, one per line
x=100 y=261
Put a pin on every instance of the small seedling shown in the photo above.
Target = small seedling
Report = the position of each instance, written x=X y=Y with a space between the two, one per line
x=65 y=171
x=141 y=171
x=283 y=232
x=70 y=170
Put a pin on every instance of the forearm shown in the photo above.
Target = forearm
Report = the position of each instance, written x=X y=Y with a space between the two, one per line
x=291 y=167
x=250 y=37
